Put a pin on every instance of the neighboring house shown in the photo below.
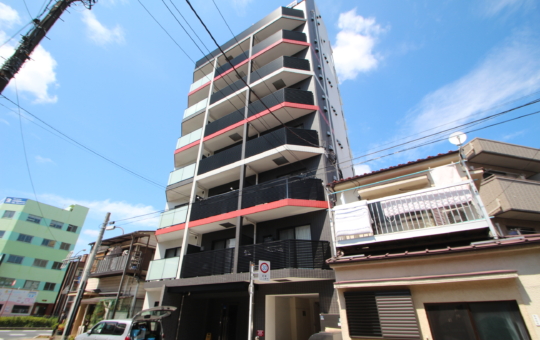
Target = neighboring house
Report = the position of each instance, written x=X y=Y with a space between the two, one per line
x=34 y=240
x=250 y=171
x=70 y=284
x=421 y=256
x=115 y=287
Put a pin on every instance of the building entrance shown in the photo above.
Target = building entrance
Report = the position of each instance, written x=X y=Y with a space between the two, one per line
x=292 y=317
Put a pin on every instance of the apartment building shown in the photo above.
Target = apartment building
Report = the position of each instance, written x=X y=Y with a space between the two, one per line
x=426 y=250
x=34 y=239
x=263 y=133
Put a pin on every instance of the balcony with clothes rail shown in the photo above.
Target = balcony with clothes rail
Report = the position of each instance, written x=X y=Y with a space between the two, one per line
x=273 y=149
x=284 y=254
x=426 y=212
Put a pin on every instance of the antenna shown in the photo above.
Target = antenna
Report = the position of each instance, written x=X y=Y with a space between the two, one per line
x=457 y=138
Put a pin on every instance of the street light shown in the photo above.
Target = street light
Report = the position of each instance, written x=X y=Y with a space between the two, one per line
x=111 y=226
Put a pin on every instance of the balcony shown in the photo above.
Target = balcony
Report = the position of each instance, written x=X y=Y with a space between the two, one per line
x=115 y=264
x=285 y=254
x=207 y=263
x=286 y=104
x=163 y=269
x=262 y=202
x=179 y=186
x=282 y=43
x=517 y=157
x=197 y=84
x=433 y=211
x=194 y=117
x=512 y=198
x=201 y=92
x=173 y=217
x=186 y=150
x=238 y=60
x=267 y=152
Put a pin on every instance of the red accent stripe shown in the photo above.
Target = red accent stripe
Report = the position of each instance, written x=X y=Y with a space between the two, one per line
x=198 y=88
x=260 y=114
x=185 y=147
x=248 y=211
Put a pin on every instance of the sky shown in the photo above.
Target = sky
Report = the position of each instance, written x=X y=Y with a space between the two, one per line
x=115 y=83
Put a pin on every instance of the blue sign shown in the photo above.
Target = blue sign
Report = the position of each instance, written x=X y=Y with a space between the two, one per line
x=15 y=200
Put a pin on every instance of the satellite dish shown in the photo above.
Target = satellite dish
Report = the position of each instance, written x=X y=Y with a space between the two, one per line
x=457 y=138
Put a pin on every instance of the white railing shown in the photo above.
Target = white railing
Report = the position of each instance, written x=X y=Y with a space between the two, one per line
x=195 y=108
x=200 y=82
x=189 y=138
x=172 y=217
x=427 y=208
x=162 y=269
x=182 y=174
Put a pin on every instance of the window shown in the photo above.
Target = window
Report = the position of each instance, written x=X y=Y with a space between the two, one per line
x=25 y=238
x=40 y=263
x=520 y=230
x=29 y=284
x=34 y=219
x=15 y=259
x=8 y=214
x=297 y=233
x=6 y=281
x=120 y=328
x=494 y=320
x=72 y=228
x=19 y=309
x=56 y=224
x=364 y=313
x=104 y=328
x=48 y=243
x=57 y=265
x=2 y=232
x=224 y=244
x=65 y=246
x=49 y=286
x=172 y=252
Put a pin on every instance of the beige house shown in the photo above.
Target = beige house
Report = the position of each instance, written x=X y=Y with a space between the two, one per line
x=422 y=256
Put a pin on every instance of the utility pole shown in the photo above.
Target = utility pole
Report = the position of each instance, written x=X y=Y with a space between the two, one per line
x=84 y=279
x=30 y=41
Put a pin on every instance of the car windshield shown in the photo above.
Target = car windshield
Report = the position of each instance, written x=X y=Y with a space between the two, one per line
x=156 y=313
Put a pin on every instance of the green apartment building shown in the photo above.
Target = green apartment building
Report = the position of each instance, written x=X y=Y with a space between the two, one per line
x=34 y=239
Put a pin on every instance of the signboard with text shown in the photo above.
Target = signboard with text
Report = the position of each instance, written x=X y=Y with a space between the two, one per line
x=15 y=200
x=264 y=271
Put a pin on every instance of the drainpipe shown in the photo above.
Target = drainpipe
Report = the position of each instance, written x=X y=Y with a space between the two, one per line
x=122 y=279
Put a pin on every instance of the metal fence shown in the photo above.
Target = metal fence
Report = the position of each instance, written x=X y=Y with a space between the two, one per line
x=206 y=263
x=110 y=263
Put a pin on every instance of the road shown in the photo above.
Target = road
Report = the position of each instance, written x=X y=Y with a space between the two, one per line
x=22 y=334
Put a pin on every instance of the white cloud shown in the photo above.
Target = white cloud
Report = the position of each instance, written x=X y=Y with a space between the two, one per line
x=37 y=74
x=360 y=169
x=508 y=72
x=4 y=121
x=100 y=34
x=43 y=160
x=241 y=5
x=492 y=7
x=513 y=135
x=353 y=51
x=8 y=17
x=91 y=232
x=119 y=210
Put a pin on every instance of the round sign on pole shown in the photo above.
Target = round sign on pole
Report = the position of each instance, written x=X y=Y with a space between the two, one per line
x=264 y=271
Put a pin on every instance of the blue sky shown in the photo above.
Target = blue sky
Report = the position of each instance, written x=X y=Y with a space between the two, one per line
x=112 y=80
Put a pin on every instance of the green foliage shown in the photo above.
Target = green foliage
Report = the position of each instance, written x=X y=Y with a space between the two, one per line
x=100 y=311
x=28 y=321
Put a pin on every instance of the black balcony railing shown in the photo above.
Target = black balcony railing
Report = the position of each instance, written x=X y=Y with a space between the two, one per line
x=284 y=34
x=236 y=86
x=286 y=254
x=223 y=122
x=235 y=61
x=280 y=137
x=256 y=146
x=206 y=263
x=215 y=205
x=292 y=187
x=280 y=96
x=273 y=99
x=276 y=64
x=220 y=159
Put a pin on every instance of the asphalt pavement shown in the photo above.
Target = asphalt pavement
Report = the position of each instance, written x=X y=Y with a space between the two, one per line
x=22 y=334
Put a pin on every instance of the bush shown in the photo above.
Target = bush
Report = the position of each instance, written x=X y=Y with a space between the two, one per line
x=28 y=321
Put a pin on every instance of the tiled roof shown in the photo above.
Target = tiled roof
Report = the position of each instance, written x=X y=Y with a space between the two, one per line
x=489 y=244
x=391 y=168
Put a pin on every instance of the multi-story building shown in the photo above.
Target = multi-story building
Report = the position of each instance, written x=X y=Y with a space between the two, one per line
x=263 y=134
x=114 y=288
x=423 y=255
x=69 y=286
x=34 y=239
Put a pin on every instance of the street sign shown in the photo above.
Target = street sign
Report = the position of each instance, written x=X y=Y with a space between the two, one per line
x=264 y=271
